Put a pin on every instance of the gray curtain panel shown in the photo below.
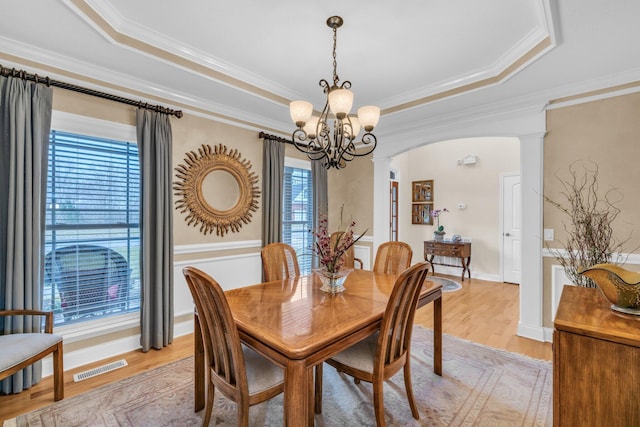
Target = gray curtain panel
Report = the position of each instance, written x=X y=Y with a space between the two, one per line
x=25 y=123
x=272 y=183
x=320 y=195
x=156 y=223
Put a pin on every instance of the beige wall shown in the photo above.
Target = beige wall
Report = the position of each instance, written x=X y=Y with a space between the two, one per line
x=190 y=133
x=352 y=187
x=605 y=132
x=476 y=185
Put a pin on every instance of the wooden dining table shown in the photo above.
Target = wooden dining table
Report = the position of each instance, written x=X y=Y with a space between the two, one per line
x=298 y=326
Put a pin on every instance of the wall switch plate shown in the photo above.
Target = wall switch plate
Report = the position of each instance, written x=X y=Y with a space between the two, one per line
x=462 y=205
x=548 y=234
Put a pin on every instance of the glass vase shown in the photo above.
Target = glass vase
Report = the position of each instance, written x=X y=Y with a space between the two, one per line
x=332 y=281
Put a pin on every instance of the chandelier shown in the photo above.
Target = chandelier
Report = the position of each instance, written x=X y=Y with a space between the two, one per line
x=332 y=135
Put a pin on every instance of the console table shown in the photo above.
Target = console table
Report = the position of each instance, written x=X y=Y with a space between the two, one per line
x=596 y=354
x=461 y=250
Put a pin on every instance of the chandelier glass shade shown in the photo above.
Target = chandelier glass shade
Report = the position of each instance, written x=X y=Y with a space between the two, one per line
x=332 y=135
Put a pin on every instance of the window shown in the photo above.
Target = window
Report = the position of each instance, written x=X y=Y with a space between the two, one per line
x=297 y=212
x=92 y=240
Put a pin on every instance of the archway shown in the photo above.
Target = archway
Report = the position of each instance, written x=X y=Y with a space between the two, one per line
x=529 y=127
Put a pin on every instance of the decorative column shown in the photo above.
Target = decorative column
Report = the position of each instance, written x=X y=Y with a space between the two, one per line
x=531 y=286
x=382 y=167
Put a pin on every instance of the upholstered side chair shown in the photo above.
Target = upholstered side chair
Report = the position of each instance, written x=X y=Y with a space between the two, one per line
x=17 y=351
x=279 y=261
x=381 y=355
x=392 y=258
x=238 y=372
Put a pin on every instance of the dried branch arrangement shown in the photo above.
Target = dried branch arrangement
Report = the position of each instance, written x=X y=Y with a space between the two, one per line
x=590 y=215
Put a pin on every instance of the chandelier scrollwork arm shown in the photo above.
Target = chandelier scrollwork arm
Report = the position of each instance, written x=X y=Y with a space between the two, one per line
x=331 y=136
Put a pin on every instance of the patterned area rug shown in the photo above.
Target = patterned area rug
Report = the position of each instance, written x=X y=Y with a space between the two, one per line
x=480 y=386
x=448 y=285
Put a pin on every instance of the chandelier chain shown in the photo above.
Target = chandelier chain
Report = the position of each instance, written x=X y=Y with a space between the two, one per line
x=335 y=62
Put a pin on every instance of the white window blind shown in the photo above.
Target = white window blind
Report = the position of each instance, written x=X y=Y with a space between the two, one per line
x=92 y=242
x=297 y=213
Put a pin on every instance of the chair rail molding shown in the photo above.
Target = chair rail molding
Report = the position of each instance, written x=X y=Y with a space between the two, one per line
x=215 y=247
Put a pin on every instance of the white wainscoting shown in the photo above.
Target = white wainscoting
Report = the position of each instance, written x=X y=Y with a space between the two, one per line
x=229 y=271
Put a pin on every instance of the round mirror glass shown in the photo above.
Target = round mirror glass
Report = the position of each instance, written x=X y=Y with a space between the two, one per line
x=221 y=190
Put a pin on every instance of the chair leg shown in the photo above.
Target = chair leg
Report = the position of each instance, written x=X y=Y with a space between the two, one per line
x=209 y=405
x=378 y=402
x=58 y=374
x=318 y=389
x=409 y=387
x=243 y=412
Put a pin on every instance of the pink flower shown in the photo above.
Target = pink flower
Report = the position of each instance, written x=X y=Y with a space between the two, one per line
x=436 y=214
x=331 y=256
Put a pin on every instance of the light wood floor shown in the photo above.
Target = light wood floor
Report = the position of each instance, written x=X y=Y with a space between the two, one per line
x=483 y=312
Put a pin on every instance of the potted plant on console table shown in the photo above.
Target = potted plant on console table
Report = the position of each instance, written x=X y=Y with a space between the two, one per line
x=439 y=232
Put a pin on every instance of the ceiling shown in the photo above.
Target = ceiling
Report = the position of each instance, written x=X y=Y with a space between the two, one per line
x=243 y=61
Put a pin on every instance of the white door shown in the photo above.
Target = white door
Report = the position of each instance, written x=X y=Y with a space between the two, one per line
x=511 y=228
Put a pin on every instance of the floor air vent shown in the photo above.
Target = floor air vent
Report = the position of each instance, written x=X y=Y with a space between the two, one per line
x=99 y=370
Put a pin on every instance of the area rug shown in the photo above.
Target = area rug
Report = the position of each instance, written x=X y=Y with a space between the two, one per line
x=448 y=285
x=480 y=386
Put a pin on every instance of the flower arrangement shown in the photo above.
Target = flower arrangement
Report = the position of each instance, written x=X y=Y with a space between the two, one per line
x=331 y=253
x=435 y=214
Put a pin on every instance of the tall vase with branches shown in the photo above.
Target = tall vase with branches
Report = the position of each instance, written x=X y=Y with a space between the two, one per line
x=589 y=214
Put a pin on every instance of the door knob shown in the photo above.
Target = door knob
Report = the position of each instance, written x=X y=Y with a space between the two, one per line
x=507 y=234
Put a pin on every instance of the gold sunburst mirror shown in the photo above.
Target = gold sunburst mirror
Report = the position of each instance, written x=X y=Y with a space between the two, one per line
x=231 y=194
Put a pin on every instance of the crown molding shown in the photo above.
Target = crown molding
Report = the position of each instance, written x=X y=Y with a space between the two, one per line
x=64 y=68
x=121 y=26
x=133 y=36
x=496 y=73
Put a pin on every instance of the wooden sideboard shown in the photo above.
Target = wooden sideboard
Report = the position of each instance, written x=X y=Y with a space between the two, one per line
x=596 y=362
x=461 y=250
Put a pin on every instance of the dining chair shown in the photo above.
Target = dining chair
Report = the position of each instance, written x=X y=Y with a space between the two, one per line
x=17 y=351
x=349 y=255
x=392 y=258
x=241 y=374
x=381 y=355
x=279 y=261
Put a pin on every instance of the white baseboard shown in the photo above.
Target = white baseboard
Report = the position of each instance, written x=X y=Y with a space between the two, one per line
x=532 y=332
x=457 y=272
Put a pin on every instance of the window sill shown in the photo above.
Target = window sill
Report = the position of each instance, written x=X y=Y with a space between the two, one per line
x=94 y=328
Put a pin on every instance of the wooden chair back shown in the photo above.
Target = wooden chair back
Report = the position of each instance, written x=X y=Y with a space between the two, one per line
x=394 y=341
x=380 y=356
x=219 y=334
x=279 y=261
x=224 y=353
x=393 y=258
x=349 y=255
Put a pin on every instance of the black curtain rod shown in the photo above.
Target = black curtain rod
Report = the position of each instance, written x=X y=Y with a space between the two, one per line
x=274 y=138
x=62 y=85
